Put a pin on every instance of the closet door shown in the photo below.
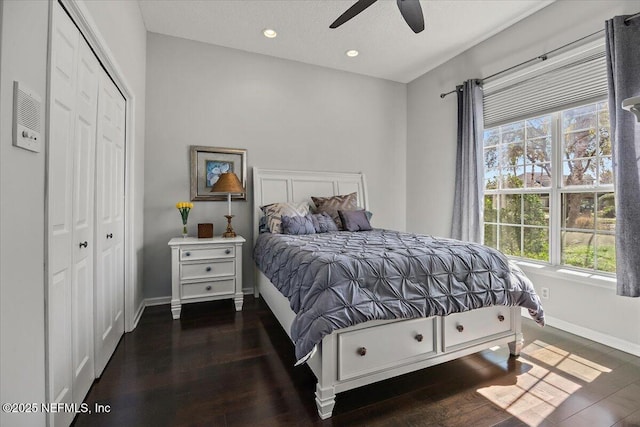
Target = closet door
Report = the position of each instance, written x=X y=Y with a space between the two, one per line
x=62 y=107
x=83 y=222
x=70 y=192
x=109 y=283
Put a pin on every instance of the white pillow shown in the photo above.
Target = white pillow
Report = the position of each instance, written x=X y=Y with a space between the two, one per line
x=275 y=212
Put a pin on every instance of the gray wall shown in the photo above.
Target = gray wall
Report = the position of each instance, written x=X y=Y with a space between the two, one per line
x=287 y=115
x=22 y=187
x=431 y=148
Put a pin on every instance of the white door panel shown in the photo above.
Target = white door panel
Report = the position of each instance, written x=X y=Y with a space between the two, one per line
x=83 y=221
x=60 y=271
x=109 y=285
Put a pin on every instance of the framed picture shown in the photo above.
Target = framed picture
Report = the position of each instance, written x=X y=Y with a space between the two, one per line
x=207 y=163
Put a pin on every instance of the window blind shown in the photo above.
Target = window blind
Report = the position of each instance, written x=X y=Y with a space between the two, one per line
x=576 y=78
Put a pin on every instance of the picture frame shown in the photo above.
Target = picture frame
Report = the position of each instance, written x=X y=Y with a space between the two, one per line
x=207 y=163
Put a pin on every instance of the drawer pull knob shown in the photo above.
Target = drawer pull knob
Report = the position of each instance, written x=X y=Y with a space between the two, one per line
x=208 y=268
x=501 y=317
x=460 y=328
x=228 y=251
x=208 y=288
x=362 y=351
x=187 y=254
x=83 y=244
x=419 y=337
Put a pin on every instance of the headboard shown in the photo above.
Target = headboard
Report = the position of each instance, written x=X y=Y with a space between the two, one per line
x=272 y=185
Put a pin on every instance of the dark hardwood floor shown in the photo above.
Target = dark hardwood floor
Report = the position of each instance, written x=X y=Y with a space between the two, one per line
x=216 y=367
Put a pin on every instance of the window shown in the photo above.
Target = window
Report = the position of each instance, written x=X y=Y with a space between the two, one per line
x=549 y=188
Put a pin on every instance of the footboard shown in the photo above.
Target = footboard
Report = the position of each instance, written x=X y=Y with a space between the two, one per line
x=378 y=350
x=375 y=351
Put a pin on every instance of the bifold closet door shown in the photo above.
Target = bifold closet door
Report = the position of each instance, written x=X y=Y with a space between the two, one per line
x=109 y=283
x=71 y=160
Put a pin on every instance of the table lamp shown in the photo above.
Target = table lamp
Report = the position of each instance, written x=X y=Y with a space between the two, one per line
x=228 y=183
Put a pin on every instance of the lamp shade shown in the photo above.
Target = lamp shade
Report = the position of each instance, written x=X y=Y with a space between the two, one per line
x=228 y=183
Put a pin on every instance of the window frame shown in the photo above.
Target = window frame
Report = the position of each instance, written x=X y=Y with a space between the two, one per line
x=556 y=191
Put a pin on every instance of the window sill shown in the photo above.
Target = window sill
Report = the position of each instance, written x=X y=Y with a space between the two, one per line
x=583 y=277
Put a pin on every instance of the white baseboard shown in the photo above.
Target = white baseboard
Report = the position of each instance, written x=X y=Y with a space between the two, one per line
x=138 y=315
x=608 y=340
x=150 y=302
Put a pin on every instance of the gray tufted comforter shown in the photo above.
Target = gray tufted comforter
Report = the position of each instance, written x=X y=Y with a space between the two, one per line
x=340 y=279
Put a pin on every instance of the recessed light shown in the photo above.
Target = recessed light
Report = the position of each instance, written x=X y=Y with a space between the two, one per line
x=352 y=53
x=269 y=33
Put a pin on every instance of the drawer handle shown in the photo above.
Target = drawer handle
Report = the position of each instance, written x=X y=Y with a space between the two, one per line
x=83 y=244
x=110 y=236
x=419 y=337
x=208 y=288
x=208 y=269
x=187 y=254
x=460 y=328
x=228 y=251
x=501 y=317
x=362 y=351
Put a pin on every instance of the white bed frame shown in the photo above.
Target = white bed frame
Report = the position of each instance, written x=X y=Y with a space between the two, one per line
x=375 y=350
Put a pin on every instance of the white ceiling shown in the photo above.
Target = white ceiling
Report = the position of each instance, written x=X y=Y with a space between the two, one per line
x=388 y=48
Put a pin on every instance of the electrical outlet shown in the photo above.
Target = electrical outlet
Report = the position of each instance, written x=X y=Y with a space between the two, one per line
x=545 y=293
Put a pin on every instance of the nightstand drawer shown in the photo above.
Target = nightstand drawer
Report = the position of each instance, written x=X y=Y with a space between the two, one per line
x=207 y=269
x=208 y=253
x=207 y=289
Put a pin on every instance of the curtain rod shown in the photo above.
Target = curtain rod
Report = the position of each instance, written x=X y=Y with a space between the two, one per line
x=542 y=57
x=637 y=15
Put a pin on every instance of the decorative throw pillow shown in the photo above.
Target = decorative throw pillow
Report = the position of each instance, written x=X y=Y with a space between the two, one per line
x=355 y=220
x=297 y=225
x=332 y=205
x=276 y=211
x=323 y=223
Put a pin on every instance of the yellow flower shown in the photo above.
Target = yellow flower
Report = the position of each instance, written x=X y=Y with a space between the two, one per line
x=178 y=205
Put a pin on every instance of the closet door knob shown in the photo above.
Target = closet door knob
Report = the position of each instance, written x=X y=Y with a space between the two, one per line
x=419 y=337
x=362 y=351
x=83 y=244
x=208 y=269
x=460 y=328
x=501 y=317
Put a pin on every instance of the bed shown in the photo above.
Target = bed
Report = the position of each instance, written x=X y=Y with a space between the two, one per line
x=343 y=355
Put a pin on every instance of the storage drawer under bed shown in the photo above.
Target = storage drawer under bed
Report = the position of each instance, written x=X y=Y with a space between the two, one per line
x=471 y=327
x=363 y=351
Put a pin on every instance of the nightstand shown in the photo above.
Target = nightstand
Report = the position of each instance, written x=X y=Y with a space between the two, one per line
x=205 y=270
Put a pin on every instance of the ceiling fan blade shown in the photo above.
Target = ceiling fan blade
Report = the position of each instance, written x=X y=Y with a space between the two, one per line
x=351 y=12
x=412 y=13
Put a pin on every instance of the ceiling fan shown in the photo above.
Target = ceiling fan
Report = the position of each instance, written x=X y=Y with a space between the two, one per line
x=410 y=10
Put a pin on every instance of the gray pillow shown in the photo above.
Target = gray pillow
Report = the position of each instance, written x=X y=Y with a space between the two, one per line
x=297 y=225
x=323 y=223
x=333 y=204
x=355 y=220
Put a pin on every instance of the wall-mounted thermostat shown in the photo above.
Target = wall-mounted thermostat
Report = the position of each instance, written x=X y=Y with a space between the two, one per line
x=27 y=118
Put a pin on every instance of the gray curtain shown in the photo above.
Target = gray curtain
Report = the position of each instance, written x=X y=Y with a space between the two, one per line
x=623 y=68
x=468 y=196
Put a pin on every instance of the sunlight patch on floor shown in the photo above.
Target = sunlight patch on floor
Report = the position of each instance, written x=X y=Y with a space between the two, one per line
x=554 y=375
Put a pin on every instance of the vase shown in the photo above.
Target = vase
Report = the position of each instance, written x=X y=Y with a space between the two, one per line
x=184 y=231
